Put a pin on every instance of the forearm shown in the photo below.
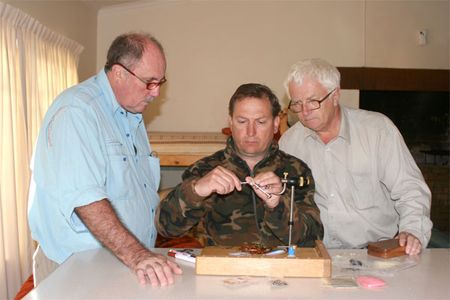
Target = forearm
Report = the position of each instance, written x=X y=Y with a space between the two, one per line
x=179 y=211
x=309 y=227
x=403 y=179
x=102 y=221
x=413 y=206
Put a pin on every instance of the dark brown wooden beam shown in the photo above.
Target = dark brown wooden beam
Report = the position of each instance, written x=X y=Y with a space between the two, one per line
x=387 y=79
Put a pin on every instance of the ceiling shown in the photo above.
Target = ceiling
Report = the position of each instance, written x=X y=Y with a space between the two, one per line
x=97 y=4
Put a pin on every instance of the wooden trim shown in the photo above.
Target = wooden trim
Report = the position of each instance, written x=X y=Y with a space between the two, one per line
x=179 y=160
x=386 y=79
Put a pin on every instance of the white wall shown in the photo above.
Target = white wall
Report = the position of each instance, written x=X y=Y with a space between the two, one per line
x=392 y=34
x=214 y=46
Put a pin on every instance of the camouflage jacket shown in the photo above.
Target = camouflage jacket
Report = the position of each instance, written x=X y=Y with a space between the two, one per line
x=239 y=217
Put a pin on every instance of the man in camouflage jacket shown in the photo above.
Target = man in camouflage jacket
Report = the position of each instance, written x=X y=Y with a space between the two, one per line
x=215 y=204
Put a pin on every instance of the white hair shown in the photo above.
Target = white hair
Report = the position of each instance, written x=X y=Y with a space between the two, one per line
x=313 y=68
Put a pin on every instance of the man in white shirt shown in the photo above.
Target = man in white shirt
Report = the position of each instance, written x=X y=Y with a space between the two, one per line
x=368 y=187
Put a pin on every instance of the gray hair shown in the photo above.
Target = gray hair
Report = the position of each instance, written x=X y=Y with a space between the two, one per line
x=314 y=68
x=128 y=48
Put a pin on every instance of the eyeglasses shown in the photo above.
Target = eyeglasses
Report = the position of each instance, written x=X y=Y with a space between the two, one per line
x=297 y=106
x=151 y=85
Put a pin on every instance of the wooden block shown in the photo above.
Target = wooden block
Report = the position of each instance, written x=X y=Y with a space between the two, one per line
x=386 y=249
x=308 y=262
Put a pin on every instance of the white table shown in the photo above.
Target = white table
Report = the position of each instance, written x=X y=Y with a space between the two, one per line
x=97 y=274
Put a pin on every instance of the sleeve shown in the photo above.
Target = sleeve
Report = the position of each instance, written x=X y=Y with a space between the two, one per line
x=400 y=174
x=182 y=208
x=307 y=226
x=73 y=165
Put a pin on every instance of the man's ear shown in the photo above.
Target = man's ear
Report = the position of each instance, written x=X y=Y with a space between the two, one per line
x=276 y=124
x=336 y=96
x=116 y=71
x=230 y=122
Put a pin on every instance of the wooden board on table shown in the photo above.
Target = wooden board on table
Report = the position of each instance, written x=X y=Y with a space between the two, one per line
x=308 y=262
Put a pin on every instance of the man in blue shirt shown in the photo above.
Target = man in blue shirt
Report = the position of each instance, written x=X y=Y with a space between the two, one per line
x=94 y=179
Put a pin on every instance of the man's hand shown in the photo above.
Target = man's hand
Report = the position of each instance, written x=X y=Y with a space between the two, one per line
x=270 y=183
x=220 y=180
x=102 y=221
x=155 y=269
x=413 y=245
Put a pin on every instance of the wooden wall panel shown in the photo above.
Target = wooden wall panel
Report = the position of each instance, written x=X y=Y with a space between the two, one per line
x=386 y=79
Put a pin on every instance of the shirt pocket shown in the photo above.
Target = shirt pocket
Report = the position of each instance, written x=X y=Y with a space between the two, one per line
x=119 y=176
x=362 y=190
x=359 y=176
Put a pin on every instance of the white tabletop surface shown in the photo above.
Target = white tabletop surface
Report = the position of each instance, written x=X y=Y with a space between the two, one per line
x=96 y=274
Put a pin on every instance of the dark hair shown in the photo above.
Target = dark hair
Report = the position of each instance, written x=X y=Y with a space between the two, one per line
x=255 y=90
x=128 y=48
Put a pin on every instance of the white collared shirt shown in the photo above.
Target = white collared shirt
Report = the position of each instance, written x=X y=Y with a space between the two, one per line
x=368 y=186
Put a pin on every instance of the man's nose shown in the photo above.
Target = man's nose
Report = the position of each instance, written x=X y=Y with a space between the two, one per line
x=155 y=92
x=251 y=129
x=305 y=111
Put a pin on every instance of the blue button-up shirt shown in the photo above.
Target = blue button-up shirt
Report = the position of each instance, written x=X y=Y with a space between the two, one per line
x=89 y=148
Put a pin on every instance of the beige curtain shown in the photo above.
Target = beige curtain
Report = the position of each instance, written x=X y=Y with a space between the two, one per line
x=35 y=65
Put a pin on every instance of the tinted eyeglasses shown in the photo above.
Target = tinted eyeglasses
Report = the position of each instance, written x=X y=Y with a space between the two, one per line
x=150 y=85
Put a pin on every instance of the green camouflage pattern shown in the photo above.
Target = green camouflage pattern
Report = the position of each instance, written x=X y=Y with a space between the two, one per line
x=230 y=220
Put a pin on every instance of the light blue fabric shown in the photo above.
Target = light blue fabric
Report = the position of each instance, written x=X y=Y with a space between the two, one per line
x=89 y=148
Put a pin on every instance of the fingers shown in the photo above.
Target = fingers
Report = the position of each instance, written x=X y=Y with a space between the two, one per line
x=151 y=274
x=267 y=186
x=271 y=202
x=157 y=270
x=402 y=238
x=141 y=276
x=411 y=243
x=220 y=180
x=223 y=181
x=175 y=267
x=269 y=181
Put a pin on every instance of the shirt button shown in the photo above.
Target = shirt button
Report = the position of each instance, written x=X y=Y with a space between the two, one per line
x=331 y=195
x=124 y=159
x=128 y=135
x=153 y=210
x=145 y=185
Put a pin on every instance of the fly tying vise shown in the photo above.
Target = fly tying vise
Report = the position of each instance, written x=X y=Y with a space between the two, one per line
x=299 y=182
x=293 y=182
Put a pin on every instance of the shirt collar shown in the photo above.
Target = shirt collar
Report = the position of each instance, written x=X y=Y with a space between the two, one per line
x=110 y=100
x=344 y=130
